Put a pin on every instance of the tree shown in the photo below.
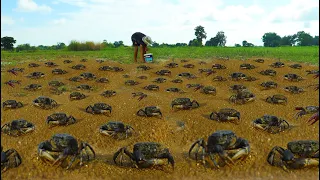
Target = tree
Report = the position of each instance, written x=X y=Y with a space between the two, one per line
x=200 y=34
x=118 y=43
x=247 y=44
x=237 y=45
x=316 y=41
x=194 y=42
x=271 y=39
x=7 y=43
x=212 y=42
x=304 y=39
x=181 y=44
x=60 y=45
x=219 y=40
x=155 y=44
x=289 y=40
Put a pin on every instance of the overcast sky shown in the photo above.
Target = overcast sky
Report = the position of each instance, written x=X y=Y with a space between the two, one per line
x=45 y=22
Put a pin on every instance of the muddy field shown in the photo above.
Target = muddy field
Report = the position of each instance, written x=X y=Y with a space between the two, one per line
x=167 y=130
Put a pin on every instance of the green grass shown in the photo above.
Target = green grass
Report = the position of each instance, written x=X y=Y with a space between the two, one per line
x=125 y=54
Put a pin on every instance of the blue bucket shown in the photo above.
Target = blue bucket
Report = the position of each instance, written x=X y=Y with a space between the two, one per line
x=148 y=57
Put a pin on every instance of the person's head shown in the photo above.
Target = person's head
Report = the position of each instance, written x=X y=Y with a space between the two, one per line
x=147 y=40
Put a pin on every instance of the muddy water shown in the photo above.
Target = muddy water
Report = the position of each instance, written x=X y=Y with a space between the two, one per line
x=165 y=131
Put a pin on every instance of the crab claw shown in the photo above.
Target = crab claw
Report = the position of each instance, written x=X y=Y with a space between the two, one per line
x=314 y=118
x=299 y=108
x=316 y=76
x=198 y=87
x=142 y=97
x=13 y=72
x=10 y=84
x=210 y=72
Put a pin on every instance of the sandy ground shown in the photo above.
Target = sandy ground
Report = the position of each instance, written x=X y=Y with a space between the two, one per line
x=165 y=131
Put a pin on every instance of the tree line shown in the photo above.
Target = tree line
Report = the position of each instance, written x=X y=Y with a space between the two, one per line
x=269 y=39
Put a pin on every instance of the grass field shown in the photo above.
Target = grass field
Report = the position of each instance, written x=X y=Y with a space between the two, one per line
x=125 y=54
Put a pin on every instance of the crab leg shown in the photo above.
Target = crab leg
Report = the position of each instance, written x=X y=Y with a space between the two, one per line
x=314 y=118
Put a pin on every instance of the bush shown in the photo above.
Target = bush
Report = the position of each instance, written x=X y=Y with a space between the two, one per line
x=85 y=46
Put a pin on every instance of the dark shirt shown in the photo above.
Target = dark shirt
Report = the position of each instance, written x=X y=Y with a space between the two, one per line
x=136 y=39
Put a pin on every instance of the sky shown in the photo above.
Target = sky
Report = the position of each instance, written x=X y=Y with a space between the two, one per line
x=47 y=22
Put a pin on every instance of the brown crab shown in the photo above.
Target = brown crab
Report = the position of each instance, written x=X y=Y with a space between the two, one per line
x=174 y=89
x=188 y=66
x=259 y=60
x=306 y=110
x=268 y=72
x=60 y=119
x=84 y=87
x=269 y=84
x=177 y=80
x=277 y=99
x=76 y=79
x=108 y=93
x=55 y=83
x=33 y=87
x=296 y=66
x=36 y=75
x=59 y=71
x=277 y=64
x=160 y=80
x=247 y=66
x=143 y=68
x=219 y=78
x=88 y=76
x=171 y=65
x=187 y=75
x=99 y=108
x=207 y=89
x=184 y=103
x=237 y=76
x=45 y=102
x=164 y=72
x=131 y=82
x=226 y=115
x=12 y=82
x=142 y=77
x=11 y=104
x=33 y=65
x=293 y=77
x=17 y=127
x=76 y=96
x=218 y=66
x=150 y=111
x=67 y=61
x=79 y=67
x=102 y=80
x=237 y=87
x=50 y=64
x=242 y=97
x=208 y=71
x=294 y=89
x=140 y=94
x=152 y=87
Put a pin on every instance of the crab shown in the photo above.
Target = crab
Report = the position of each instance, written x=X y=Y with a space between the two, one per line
x=194 y=85
x=50 y=64
x=45 y=102
x=184 y=60
x=76 y=78
x=142 y=77
x=237 y=87
x=271 y=124
x=314 y=118
x=237 y=76
x=160 y=80
x=60 y=119
x=102 y=80
x=16 y=70
x=316 y=72
x=177 y=80
x=116 y=129
x=218 y=66
x=143 y=68
x=296 y=66
x=99 y=108
x=174 y=89
x=79 y=67
x=277 y=64
x=226 y=115
x=223 y=143
x=269 y=85
x=277 y=99
x=11 y=104
x=12 y=82
x=171 y=65
x=247 y=66
x=299 y=154
x=61 y=146
x=85 y=87
x=145 y=155
x=219 y=78
x=126 y=76
x=131 y=82
x=187 y=75
x=293 y=77
x=150 y=111
x=294 y=89
x=33 y=87
x=88 y=76
x=55 y=83
x=207 y=71
x=152 y=87
x=36 y=75
x=84 y=60
x=250 y=78
x=242 y=97
x=184 y=103
x=110 y=68
x=202 y=62
x=207 y=89
x=164 y=72
x=188 y=66
x=9 y=159
x=77 y=96
x=268 y=72
x=67 y=61
x=306 y=110
x=140 y=94
x=59 y=71
x=17 y=127
x=100 y=60
x=108 y=93
x=33 y=65
x=259 y=60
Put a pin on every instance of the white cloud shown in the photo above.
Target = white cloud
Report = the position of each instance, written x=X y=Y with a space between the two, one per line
x=168 y=22
x=31 y=6
x=6 y=20
x=59 y=21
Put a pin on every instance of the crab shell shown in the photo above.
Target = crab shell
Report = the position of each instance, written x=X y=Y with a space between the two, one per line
x=109 y=93
x=226 y=114
x=11 y=104
x=33 y=87
x=84 y=87
x=304 y=148
x=150 y=111
x=45 y=102
x=79 y=67
x=259 y=60
x=294 y=89
x=177 y=81
x=269 y=84
x=67 y=61
x=242 y=97
x=99 y=108
x=218 y=66
x=60 y=119
x=33 y=65
x=247 y=66
x=151 y=87
x=76 y=78
x=184 y=103
x=102 y=80
x=131 y=82
x=164 y=72
x=112 y=128
x=77 y=96
x=36 y=75
x=293 y=77
x=219 y=78
x=209 y=90
x=296 y=66
x=277 y=64
x=277 y=99
x=58 y=71
x=188 y=66
x=88 y=76
x=268 y=72
x=55 y=83
x=171 y=65
x=14 y=127
x=50 y=64
x=143 y=67
x=160 y=80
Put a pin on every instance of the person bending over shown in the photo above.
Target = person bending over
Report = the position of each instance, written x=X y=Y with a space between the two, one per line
x=142 y=40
